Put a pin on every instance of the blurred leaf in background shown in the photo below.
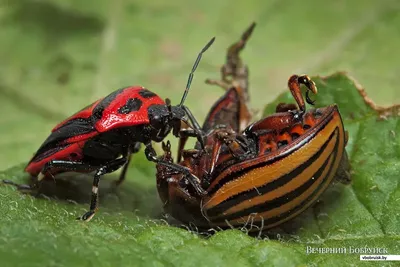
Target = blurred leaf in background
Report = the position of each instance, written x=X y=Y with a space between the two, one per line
x=57 y=56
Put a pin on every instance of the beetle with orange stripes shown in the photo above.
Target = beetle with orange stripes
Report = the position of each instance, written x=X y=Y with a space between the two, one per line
x=262 y=176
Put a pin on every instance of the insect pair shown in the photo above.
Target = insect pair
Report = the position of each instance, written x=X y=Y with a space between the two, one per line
x=266 y=172
x=101 y=137
x=257 y=175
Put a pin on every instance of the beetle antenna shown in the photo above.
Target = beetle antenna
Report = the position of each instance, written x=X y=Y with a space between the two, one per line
x=196 y=63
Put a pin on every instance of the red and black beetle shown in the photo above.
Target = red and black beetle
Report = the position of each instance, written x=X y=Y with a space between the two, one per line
x=102 y=136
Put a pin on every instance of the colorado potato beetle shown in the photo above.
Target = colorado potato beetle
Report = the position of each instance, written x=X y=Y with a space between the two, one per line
x=261 y=176
x=272 y=172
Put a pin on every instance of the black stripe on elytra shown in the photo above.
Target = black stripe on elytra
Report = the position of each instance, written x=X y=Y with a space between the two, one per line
x=238 y=174
x=265 y=206
x=307 y=202
x=97 y=112
x=70 y=129
x=132 y=104
x=146 y=93
x=271 y=186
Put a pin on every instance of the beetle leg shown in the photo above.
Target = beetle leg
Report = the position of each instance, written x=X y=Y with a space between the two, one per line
x=181 y=147
x=65 y=165
x=224 y=85
x=121 y=178
x=278 y=121
x=214 y=157
x=237 y=148
x=82 y=166
x=184 y=136
x=283 y=107
x=21 y=187
x=185 y=133
x=62 y=164
x=294 y=87
x=308 y=99
x=233 y=59
x=196 y=126
x=234 y=70
x=193 y=180
x=135 y=148
x=110 y=167
x=150 y=153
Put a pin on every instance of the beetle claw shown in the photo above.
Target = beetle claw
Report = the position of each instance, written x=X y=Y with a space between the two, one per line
x=308 y=99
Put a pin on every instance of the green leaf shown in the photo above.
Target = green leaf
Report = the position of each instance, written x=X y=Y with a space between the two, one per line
x=130 y=231
x=57 y=56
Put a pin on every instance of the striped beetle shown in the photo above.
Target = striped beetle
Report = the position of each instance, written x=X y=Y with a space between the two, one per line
x=262 y=176
x=272 y=172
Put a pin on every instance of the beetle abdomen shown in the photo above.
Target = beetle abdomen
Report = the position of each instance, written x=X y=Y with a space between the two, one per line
x=269 y=190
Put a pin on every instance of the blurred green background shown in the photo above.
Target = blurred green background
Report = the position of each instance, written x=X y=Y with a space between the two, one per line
x=58 y=56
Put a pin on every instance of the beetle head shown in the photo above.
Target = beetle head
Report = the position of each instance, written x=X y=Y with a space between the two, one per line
x=163 y=119
x=176 y=114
